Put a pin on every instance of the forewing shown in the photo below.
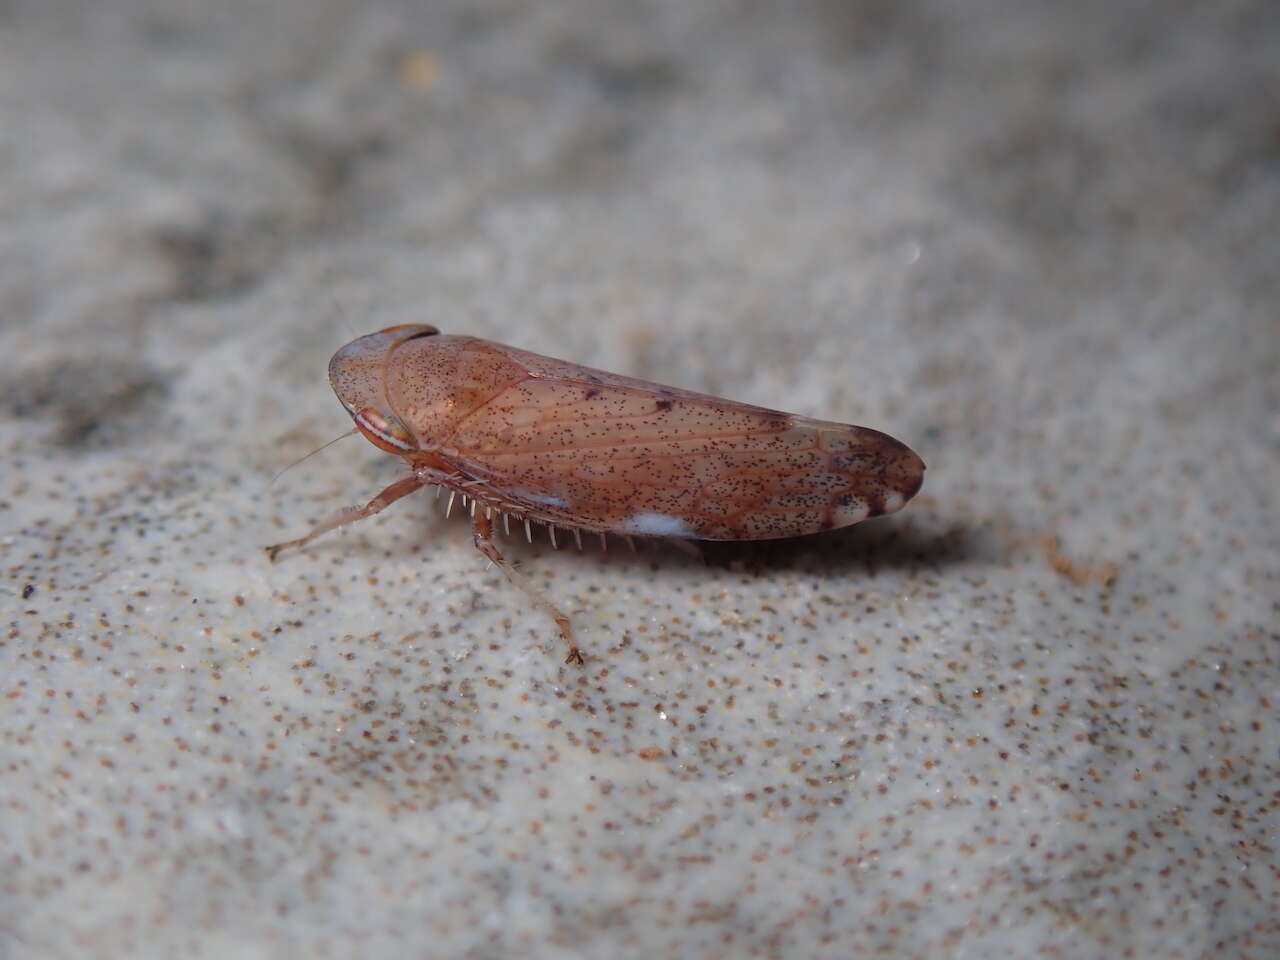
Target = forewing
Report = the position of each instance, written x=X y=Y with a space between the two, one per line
x=630 y=457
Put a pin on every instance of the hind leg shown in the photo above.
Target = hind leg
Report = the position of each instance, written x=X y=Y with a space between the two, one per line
x=482 y=536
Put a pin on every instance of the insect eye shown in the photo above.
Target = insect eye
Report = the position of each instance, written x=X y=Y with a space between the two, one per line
x=385 y=434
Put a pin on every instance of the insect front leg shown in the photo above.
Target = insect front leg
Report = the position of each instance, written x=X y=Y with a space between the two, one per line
x=482 y=535
x=401 y=488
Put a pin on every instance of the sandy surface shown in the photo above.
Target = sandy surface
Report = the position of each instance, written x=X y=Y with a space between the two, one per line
x=1035 y=714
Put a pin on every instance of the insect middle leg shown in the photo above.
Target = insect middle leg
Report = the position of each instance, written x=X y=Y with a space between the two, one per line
x=401 y=488
x=482 y=535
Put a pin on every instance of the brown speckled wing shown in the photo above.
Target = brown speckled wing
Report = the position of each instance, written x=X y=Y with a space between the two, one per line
x=612 y=454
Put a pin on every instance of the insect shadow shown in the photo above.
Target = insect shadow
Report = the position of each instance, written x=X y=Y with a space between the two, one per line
x=863 y=549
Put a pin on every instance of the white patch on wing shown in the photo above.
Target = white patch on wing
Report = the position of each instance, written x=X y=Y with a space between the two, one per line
x=855 y=510
x=655 y=525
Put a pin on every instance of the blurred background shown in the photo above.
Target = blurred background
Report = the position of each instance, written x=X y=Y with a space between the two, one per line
x=1034 y=712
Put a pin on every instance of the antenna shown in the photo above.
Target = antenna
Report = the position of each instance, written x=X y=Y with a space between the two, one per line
x=305 y=458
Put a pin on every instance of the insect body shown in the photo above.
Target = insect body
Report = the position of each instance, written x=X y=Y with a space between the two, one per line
x=525 y=437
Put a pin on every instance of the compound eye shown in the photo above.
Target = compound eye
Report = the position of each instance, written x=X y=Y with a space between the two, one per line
x=384 y=433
